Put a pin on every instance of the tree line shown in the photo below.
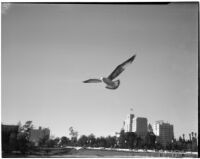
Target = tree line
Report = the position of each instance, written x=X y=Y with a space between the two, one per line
x=126 y=140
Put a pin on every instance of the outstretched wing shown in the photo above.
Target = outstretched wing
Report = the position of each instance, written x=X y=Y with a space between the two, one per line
x=92 y=81
x=120 y=68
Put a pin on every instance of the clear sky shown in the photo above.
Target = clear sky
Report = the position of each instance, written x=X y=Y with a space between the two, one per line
x=49 y=49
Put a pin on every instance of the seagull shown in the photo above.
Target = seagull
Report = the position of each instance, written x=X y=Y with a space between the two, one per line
x=110 y=84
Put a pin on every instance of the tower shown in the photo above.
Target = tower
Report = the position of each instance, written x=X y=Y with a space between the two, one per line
x=128 y=123
x=140 y=126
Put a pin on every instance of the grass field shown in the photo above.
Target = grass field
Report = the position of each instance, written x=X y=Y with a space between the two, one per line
x=70 y=152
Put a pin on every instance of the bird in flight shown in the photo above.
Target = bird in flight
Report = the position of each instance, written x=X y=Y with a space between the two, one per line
x=110 y=84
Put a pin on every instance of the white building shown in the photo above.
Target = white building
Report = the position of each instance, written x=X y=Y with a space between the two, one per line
x=128 y=123
x=164 y=132
x=136 y=124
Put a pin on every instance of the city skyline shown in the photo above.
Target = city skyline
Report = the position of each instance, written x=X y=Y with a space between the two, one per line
x=124 y=127
x=49 y=49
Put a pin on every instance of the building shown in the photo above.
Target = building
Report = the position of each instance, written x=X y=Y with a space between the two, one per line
x=140 y=126
x=8 y=129
x=128 y=123
x=136 y=124
x=9 y=136
x=164 y=132
x=150 y=129
x=37 y=134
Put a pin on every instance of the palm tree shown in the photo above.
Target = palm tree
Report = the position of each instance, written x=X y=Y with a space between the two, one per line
x=184 y=137
x=190 y=136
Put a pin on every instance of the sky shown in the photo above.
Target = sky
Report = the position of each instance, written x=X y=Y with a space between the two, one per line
x=47 y=50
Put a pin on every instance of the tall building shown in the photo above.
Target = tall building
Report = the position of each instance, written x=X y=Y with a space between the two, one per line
x=37 y=134
x=140 y=126
x=128 y=123
x=164 y=132
x=136 y=124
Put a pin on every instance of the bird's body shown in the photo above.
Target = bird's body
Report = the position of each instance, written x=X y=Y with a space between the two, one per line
x=110 y=84
x=108 y=81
